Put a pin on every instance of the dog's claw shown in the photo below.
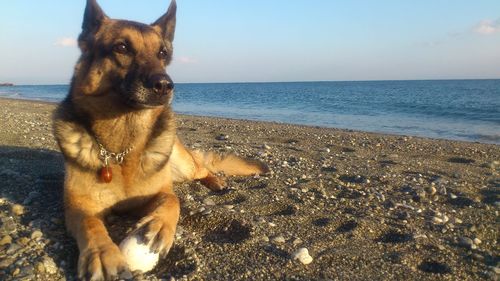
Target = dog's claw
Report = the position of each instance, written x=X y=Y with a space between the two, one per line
x=156 y=233
x=102 y=262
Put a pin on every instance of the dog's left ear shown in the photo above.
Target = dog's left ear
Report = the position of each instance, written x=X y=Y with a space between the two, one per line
x=93 y=17
x=166 y=23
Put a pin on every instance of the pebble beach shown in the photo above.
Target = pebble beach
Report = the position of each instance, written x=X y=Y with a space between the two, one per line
x=338 y=205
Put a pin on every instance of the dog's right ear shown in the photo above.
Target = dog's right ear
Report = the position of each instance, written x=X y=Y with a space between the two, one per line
x=93 y=17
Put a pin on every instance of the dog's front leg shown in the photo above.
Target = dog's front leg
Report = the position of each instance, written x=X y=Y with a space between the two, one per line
x=159 y=223
x=99 y=258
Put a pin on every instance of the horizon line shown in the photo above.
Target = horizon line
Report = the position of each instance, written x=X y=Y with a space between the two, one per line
x=303 y=81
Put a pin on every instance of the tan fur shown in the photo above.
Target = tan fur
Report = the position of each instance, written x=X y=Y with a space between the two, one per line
x=94 y=111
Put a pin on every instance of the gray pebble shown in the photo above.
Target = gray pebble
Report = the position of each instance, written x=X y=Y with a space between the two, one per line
x=208 y=201
x=222 y=137
x=206 y=212
x=7 y=225
x=466 y=242
x=279 y=239
x=13 y=248
x=27 y=271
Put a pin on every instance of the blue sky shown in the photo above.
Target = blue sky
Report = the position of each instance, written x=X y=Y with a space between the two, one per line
x=272 y=40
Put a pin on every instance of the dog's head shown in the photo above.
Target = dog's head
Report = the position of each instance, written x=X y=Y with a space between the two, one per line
x=125 y=60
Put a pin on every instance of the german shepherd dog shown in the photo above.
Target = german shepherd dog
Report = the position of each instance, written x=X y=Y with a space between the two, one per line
x=116 y=130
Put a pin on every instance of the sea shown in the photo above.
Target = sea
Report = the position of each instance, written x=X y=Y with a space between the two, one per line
x=466 y=110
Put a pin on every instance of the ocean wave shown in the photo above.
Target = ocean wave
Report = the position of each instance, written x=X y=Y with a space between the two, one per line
x=488 y=138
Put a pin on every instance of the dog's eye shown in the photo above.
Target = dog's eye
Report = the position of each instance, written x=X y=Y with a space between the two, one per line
x=120 y=48
x=163 y=54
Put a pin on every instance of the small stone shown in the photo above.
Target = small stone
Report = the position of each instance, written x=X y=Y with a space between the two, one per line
x=229 y=207
x=6 y=262
x=127 y=275
x=23 y=241
x=466 y=242
x=27 y=271
x=417 y=236
x=303 y=256
x=420 y=193
x=16 y=272
x=495 y=269
x=453 y=196
x=477 y=241
x=437 y=220
x=17 y=210
x=36 y=234
x=208 y=202
x=431 y=190
x=442 y=190
x=31 y=197
x=266 y=147
x=222 y=137
x=40 y=267
x=13 y=248
x=297 y=241
x=491 y=165
x=206 y=212
x=50 y=265
x=457 y=221
x=477 y=257
x=5 y=240
x=279 y=239
x=56 y=221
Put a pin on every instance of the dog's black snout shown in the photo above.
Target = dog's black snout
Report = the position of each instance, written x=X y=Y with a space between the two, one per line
x=161 y=83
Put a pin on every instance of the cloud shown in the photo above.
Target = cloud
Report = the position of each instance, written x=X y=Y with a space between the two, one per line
x=487 y=27
x=186 y=60
x=66 y=42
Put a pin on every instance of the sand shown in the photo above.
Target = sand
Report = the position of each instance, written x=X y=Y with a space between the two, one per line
x=366 y=206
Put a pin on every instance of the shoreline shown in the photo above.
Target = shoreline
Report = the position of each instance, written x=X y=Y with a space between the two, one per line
x=282 y=123
x=367 y=206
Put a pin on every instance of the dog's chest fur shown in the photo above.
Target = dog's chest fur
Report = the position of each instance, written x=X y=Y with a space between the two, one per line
x=144 y=170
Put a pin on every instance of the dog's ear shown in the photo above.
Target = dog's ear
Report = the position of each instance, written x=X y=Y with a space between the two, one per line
x=93 y=17
x=166 y=23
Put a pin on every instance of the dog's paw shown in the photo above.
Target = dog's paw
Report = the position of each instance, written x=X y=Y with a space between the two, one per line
x=103 y=262
x=156 y=232
x=214 y=183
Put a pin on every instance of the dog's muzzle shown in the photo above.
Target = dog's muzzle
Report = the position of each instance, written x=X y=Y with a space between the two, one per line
x=161 y=84
x=155 y=90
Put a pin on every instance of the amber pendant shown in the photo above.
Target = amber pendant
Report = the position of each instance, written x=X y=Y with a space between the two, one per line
x=106 y=174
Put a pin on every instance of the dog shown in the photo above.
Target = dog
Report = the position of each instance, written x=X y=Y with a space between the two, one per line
x=117 y=132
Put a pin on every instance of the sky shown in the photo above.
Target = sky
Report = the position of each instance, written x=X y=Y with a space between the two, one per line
x=271 y=40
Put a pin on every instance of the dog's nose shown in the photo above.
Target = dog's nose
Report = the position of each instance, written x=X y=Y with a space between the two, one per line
x=161 y=83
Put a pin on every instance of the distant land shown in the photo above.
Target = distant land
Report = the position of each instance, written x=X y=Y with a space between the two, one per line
x=6 y=84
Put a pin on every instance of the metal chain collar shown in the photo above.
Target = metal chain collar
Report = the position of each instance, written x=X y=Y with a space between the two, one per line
x=105 y=155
